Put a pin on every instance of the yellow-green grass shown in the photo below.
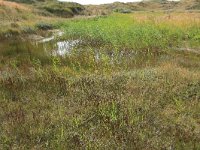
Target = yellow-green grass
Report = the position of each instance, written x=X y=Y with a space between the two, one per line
x=138 y=31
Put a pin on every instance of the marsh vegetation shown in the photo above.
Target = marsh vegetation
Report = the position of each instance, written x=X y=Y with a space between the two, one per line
x=123 y=81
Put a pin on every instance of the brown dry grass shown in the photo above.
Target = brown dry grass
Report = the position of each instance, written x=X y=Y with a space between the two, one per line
x=178 y=19
x=13 y=5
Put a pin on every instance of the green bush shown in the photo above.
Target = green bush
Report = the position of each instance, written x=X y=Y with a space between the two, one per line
x=44 y=26
x=63 y=9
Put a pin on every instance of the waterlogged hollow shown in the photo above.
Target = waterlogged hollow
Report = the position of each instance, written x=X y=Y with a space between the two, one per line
x=43 y=48
x=47 y=46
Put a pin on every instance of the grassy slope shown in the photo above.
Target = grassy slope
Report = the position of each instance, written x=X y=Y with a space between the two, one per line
x=60 y=9
x=10 y=13
x=17 y=18
x=144 y=6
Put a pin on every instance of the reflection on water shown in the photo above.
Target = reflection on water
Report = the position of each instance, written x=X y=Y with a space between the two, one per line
x=56 y=33
x=46 y=46
x=51 y=46
x=64 y=47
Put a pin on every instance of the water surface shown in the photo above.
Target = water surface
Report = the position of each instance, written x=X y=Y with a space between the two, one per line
x=37 y=47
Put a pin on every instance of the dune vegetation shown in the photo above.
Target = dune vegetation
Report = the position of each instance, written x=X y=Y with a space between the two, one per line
x=131 y=82
x=25 y=17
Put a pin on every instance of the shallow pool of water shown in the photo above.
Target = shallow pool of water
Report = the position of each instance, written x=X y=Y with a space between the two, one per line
x=44 y=48
x=47 y=46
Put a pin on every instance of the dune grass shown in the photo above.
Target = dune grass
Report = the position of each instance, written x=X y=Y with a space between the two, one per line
x=140 y=93
x=21 y=19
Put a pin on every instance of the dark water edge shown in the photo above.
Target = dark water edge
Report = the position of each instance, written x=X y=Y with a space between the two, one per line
x=44 y=48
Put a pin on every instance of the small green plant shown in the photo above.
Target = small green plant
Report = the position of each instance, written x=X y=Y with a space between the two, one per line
x=44 y=26
x=56 y=62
